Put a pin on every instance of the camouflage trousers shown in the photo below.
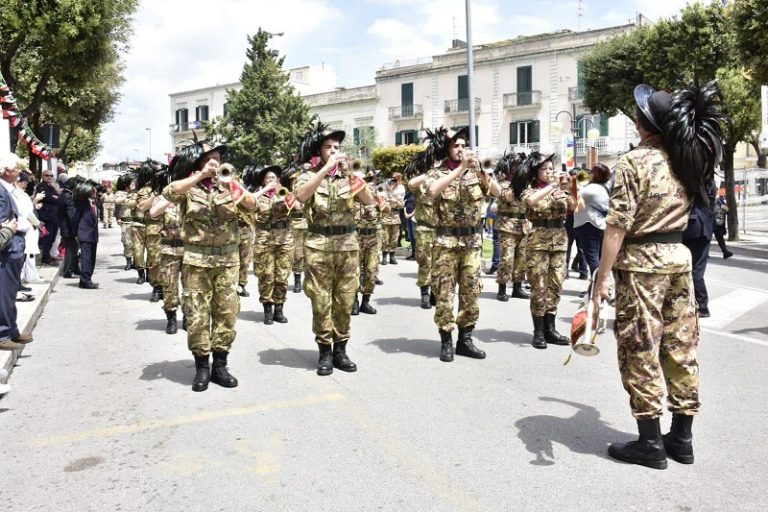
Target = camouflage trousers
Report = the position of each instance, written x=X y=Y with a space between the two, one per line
x=451 y=266
x=546 y=271
x=109 y=214
x=211 y=304
x=272 y=266
x=425 y=239
x=331 y=282
x=389 y=235
x=126 y=236
x=139 y=244
x=369 y=262
x=246 y=254
x=153 y=259
x=512 y=258
x=657 y=335
x=170 y=269
x=299 y=236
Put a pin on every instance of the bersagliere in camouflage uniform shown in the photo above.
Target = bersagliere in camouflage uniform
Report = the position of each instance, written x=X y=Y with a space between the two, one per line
x=139 y=233
x=656 y=327
x=512 y=226
x=299 y=232
x=458 y=187
x=245 y=222
x=328 y=192
x=153 y=236
x=368 y=221
x=390 y=223
x=208 y=210
x=547 y=205
x=108 y=202
x=424 y=216
x=273 y=243
x=125 y=186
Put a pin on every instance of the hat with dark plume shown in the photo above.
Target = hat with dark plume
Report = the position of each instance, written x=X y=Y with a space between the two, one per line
x=435 y=151
x=145 y=173
x=313 y=140
x=533 y=162
x=185 y=161
x=653 y=105
x=261 y=172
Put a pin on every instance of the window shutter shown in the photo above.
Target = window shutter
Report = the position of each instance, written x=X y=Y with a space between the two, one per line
x=226 y=109
x=603 y=123
x=414 y=136
x=356 y=136
x=463 y=87
x=398 y=138
x=513 y=134
x=406 y=94
x=535 y=127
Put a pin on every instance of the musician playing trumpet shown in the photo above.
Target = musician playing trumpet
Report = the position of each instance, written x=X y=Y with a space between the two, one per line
x=390 y=221
x=273 y=243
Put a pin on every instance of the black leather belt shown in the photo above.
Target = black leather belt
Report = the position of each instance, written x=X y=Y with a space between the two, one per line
x=367 y=231
x=175 y=242
x=152 y=221
x=460 y=231
x=126 y=219
x=267 y=226
x=332 y=230
x=548 y=223
x=298 y=215
x=211 y=251
x=243 y=224
x=420 y=224
x=671 y=237
x=511 y=215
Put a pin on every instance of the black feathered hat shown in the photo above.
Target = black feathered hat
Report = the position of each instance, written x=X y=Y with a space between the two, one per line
x=262 y=171
x=653 y=105
x=533 y=162
x=185 y=161
x=314 y=138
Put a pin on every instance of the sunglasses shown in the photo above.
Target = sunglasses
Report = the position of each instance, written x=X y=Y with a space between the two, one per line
x=47 y=175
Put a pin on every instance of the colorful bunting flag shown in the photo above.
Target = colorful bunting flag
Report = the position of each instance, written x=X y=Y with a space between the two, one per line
x=11 y=112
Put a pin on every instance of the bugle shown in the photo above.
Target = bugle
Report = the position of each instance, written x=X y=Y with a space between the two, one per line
x=225 y=173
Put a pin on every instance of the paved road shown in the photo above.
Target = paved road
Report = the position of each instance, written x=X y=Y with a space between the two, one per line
x=102 y=416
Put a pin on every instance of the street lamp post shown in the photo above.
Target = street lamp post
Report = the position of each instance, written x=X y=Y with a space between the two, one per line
x=150 y=142
x=470 y=76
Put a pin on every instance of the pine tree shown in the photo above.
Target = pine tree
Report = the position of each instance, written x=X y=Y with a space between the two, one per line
x=266 y=118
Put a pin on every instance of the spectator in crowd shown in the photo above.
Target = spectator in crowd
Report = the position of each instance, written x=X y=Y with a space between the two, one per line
x=720 y=230
x=399 y=189
x=49 y=214
x=410 y=225
x=491 y=218
x=697 y=237
x=11 y=256
x=589 y=218
x=28 y=221
x=67 y=217
x=87 y=232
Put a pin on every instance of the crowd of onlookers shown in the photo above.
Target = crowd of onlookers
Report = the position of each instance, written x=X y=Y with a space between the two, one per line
x=52 y=223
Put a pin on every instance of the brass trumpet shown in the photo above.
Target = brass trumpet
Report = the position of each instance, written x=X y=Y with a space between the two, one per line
x=357 y=165
x=225 y=173
x=488 y=166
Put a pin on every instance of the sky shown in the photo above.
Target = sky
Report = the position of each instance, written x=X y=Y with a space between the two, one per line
x=179 y=45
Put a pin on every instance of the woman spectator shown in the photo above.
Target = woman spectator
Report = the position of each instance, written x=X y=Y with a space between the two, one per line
x=87 y=231
x=721 y=216
x=589 y=219
x=68 y=229
x=26 y=207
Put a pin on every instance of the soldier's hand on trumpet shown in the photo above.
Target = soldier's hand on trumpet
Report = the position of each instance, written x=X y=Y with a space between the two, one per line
x=210 y=169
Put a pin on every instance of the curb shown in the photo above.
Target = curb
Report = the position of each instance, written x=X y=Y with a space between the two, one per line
x=28 y=322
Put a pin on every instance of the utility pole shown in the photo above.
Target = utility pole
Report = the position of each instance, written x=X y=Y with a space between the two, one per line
x=470 y=74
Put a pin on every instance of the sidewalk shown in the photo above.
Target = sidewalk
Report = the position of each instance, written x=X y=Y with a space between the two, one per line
x=28 y=313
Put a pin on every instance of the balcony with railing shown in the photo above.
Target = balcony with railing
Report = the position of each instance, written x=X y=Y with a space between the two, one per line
x=603 y=145
x=526 y=147
x=461 y=106
x=402 y=112
x=575 y=94
x=185 y=127
x=522 y=100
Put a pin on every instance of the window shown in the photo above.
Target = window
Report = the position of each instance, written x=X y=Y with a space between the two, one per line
x=201 y=113
x=463 y=89
x=407 y=137
x=477 y=132
x=406 y=99
x=362 y=135
x=524 y=85
x=523 y=132
x=602 y=124
x=182 y=119
x=226 y=108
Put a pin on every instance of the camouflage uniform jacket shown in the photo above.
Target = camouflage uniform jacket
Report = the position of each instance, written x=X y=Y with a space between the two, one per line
x=424 y=212
x=270 y=210
x=554 y=207
x=510 y=211
x=459 y=206
x=108 y=198
x=369 y=216
x=396 y=202
x=209 y=225
x=647 y=198
x=298 y=218
x=140 y=218
x=126 y=212
x=171 y=232
x=332 y=204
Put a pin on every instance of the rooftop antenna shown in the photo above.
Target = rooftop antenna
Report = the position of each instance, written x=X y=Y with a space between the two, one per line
x=455 y=34
x=580 y=14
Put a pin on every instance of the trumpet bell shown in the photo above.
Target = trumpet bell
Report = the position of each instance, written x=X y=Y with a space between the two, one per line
x=586 y=349
x=225 y=173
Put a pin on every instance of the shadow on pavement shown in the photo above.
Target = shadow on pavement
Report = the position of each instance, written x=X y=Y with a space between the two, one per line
x=127 y=280
x=180 y=372
x=4 y=409
x=584 y=432
x=409 y=275
x=760 y=265
x=251 y=316
x=151 y=324
x=289 y=358
x=425 y=348
x=504 y=336
x=139 y=296
x=752 y=330
x=399 y=301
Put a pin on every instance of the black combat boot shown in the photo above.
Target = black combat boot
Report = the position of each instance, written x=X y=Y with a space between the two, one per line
x=128 y=264
x=647 y=451
x=392 y=260
x=425 y=297
x=502 y=295
x=464 y=345
x=184 y=321
x=518 y=292
x=202 y=375
x=432 y=298
x=365 y=306
x=220 y=375
x=279 y=317
x=325 y=361
x=355 y=307
x=162 y=292
x=378 y=281
x=340 y=359
x=296 y=283
x=538 y=332
x=156 y=290
x=241 y=291
x=170 y=327
x=446 y=346
x=142 y=275
x=384 y=258
x=679 y=442
x=551 y=334
x=269 y=314
x=493 y=269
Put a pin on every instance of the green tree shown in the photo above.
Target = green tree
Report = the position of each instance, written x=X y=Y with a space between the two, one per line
x=83 y=145
x=265 y=119
x=51 y=50
x=392 y=159
x=750 y=27
x=697 y=47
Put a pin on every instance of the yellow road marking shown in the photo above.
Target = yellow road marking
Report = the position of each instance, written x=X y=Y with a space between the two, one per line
x=143 y=426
